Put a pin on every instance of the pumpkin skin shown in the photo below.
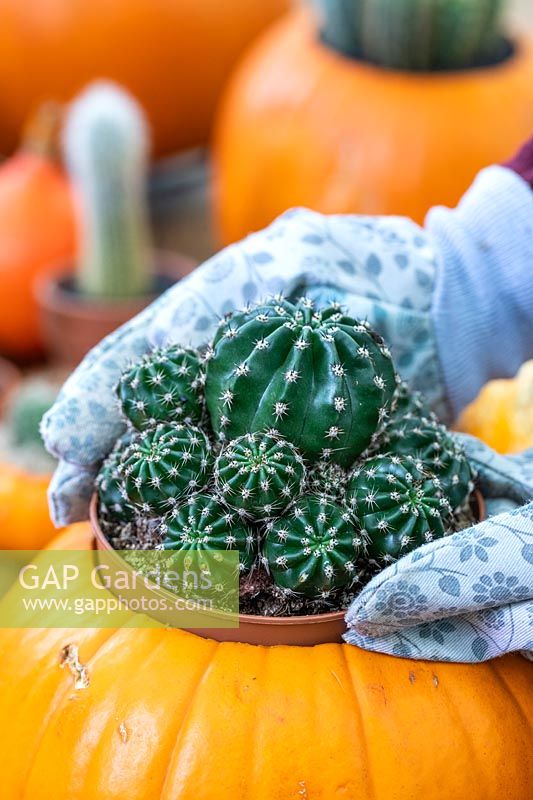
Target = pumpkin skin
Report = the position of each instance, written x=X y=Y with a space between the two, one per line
x=170 y=715
x=37 y=230
x=301 y=125
x=172 y=55
x=25 y=522
x=502 y=413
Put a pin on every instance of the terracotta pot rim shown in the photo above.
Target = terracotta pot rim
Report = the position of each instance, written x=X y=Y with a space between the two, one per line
x=331 y=617
x=52 y=296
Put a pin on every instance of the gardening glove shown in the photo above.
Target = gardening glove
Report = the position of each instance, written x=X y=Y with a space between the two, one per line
x=443 y=298
x=467 y=597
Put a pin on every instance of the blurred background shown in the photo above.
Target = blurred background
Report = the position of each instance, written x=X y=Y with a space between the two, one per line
x=137 y=137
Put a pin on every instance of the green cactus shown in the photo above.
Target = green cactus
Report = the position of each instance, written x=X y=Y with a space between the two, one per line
x=328 y=481
x=438 y=451
x=106 y=147
x=321 y=379
x=26 y=409
x=163 y=465
x=260 y=473
x=114 y=504
x=314 y=549
x=203 y=522
x=416 y=34
x=409 y=405
x=164 y=386
x=398 y=505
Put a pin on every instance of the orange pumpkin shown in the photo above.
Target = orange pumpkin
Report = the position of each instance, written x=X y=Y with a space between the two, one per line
x=171 y=716
x=173 y=55
x=37 y=230
x=301 y=124
x=24 y=517
x=502 y=414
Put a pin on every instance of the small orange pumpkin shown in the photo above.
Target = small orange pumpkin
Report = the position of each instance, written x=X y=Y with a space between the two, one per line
x=171 y=716
x=301 y=124
x=25 y=522
x=502 y=414
x=37 y=229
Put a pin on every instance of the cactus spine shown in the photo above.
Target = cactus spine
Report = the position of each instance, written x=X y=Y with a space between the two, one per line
x=416 y=34
x=260 y=473
x=314 y=549
x=398 y=505
x=203 y=522
x=106 y=148
x=164 y=386
x=164 y=464
x=321 y=379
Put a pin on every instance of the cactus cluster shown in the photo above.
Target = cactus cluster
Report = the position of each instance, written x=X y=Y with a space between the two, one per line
x=323 y=380
x=260 y=473
x=323 y=462
x=164 y=386
x=398 y=505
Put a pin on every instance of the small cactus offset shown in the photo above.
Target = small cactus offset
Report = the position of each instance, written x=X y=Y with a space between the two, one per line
x=114 y=503
x=321 y=379
x=107 y=151
x=409 y=405
x=438 y=451
x=163 y=465
x=203 y=522
x=398 y=506
x=164 y=386
x=260 y=473
x=313 y=550
x=328 y=481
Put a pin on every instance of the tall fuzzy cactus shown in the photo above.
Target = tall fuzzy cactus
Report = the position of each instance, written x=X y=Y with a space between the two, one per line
x=164 y=386
x=106 y=146
x=438 y=451
x=163 y=465
x=260 y=473
x=398 y=505
x=203 y=522
x=313 y=549
x=320 y=378
x=415 y=34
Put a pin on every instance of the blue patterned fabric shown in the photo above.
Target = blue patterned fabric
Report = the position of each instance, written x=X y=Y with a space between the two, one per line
x=401 y=278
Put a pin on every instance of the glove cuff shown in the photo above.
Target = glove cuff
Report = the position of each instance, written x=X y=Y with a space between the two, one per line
x=483 y=301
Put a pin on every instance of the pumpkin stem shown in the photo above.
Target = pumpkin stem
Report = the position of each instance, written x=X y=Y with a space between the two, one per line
x=41 y=132
x=417 y=35
x=106 y=145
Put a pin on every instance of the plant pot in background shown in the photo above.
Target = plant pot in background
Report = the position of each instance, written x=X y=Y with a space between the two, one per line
x=303 y=631
x=72 y=324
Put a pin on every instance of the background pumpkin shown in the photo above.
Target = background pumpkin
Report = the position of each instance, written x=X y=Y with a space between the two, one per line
x=37 y=229
x=173 y=55
x=302 y=124
x=24 y=517
x=171 y=715
x=502 y=414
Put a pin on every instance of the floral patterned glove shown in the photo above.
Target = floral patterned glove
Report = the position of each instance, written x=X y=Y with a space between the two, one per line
x=403 y=279
x=469 y=596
